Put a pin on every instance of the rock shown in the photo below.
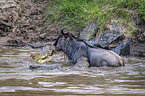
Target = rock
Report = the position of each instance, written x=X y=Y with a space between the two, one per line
x=139 y=42
x=50 y=38
x=15 y=43
x=7 y=5
x=107 y=37
x=42 y=36
x=38 y=45
x=123 y=48
x=89 y=31
x=5 y=23
x=141 y=37
x=138 y=50
x=48 y=67
x=98 y=44
x=137 y=19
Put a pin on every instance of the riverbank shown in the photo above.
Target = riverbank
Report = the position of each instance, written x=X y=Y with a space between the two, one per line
x=29 y=22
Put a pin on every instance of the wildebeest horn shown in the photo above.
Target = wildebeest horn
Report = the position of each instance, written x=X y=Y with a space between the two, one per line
x=72 y=35
x=69 y=34
x=62 y=30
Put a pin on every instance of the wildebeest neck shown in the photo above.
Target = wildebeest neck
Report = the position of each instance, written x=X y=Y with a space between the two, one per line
x=70 y=48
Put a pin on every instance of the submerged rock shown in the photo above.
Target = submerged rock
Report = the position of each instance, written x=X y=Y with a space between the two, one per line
x=15 y=43
x=48 y=67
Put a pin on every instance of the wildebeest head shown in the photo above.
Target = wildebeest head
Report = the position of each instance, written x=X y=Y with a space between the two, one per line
x=63 y=39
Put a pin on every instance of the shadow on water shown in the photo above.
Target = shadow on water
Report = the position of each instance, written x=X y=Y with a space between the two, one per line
x=16 y=79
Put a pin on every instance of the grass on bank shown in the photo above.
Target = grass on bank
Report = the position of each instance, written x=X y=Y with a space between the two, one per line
x=76 y=14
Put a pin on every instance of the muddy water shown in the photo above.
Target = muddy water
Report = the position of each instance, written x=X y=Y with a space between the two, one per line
x=16 y=79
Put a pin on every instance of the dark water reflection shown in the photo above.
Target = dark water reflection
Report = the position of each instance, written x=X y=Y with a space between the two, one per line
x=16 y=79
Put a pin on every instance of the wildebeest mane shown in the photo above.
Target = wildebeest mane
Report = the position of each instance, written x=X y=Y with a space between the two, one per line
x=71 y=36
x=80 y=39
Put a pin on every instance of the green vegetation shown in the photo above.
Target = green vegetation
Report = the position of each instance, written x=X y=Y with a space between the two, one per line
x=76 y=14
x=142 y=9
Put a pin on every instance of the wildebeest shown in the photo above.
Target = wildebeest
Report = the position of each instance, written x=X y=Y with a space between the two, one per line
x=76 y=48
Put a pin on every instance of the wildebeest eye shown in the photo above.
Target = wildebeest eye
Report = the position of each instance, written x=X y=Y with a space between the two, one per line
x=65 y=37
x=68 y=37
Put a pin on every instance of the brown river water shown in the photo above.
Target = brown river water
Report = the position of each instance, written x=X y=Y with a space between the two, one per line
x=16 y=79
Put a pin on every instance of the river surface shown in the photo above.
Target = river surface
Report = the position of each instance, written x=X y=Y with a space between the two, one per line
x=16 y=79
